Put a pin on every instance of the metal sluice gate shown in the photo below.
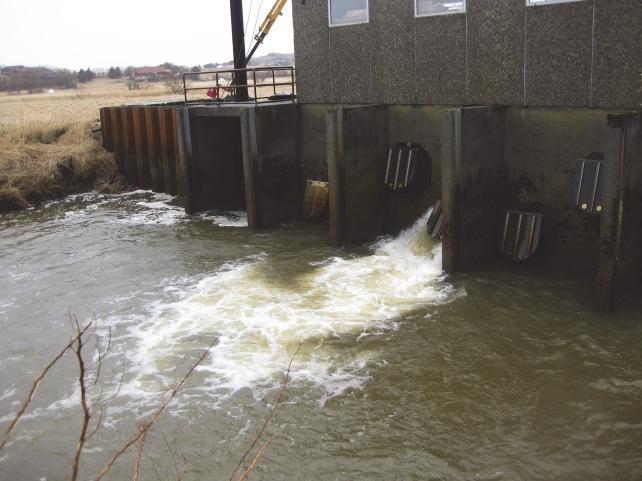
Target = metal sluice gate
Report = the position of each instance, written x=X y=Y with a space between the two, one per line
x=404 y=161
x=521 y=234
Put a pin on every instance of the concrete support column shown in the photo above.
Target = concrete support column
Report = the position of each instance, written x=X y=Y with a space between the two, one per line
x=250 y=153
x=357 y=145
x=472 y=185
x=619 y=255
x=334 y=154
x=450 y=189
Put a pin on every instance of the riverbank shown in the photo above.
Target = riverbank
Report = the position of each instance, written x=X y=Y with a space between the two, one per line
x=45 y=160
x=47 y=147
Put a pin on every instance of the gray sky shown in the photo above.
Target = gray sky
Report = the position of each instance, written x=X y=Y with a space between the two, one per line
x=88 y=33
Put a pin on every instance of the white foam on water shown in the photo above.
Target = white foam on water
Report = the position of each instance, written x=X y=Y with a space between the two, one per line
x=258 y=323
x=227 y=219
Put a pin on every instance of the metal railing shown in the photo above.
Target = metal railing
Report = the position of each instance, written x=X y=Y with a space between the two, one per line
x=226 y=89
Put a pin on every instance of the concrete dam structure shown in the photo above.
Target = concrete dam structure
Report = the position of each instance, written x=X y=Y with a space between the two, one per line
x=519 y=120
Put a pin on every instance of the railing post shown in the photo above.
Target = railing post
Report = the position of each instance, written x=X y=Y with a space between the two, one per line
x=185 y=89
x=254 y=76
x=292 y=85
x=218 y=91
x=274 y=80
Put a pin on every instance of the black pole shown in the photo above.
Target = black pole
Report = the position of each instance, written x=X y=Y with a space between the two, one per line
x=238 y=42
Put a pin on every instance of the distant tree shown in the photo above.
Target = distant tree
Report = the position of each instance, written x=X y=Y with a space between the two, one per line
x=86 y=75
x=210 y=66
x=112 y=73
x=118 y=72
x=35 y=79
x=175 y=69
x=129 y=72
x=196 y=69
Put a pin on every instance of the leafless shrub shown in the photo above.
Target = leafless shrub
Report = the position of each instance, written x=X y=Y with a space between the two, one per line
x=34 y=387
x=175 y=85
x=78 y=343
x=265 y=446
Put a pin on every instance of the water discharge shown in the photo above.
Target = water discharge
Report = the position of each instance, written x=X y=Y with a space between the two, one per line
x=259 y=322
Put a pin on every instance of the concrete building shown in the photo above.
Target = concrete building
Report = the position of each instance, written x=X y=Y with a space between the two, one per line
x=545 y=53
x=524 y=117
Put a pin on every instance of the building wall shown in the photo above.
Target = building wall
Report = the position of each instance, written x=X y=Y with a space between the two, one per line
x=578 y=54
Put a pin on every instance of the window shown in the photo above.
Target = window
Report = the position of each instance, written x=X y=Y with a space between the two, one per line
x=425 y=8
x=348 y=12
x=547 y=2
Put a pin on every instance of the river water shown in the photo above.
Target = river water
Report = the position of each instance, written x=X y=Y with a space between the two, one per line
x=401 y=374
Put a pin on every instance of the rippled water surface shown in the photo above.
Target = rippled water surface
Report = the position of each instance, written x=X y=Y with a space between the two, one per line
x=402 y=373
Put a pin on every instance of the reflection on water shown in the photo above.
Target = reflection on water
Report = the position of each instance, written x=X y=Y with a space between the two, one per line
x=402 y=373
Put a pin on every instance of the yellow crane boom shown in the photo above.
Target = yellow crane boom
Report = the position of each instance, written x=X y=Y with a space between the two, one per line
x=266 y=26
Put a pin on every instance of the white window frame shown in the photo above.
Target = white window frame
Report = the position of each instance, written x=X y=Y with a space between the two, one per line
x=540 y=3
x=367 y=20
x=456 y=12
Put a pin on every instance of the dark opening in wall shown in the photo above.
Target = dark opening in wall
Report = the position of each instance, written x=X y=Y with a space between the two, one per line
x=217 y=169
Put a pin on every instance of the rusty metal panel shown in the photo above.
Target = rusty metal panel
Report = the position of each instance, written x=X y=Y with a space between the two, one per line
x=116 y=125
x=178 y=168
x=167 y=150
x=106 y=130
x=128 y=148
x=152 y=125
x=140 y=147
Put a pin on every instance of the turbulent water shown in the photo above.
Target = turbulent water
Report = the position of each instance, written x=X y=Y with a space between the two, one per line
x=399 y=373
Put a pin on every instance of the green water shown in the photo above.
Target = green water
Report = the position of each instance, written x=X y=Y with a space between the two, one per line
x=402 y=373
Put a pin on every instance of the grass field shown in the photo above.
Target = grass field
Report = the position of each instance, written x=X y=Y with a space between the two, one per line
x=47 y=148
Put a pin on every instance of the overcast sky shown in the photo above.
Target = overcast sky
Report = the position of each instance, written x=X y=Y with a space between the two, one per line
x=88 y=33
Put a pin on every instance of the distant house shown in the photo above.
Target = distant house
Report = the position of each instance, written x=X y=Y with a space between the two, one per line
x=151 y=73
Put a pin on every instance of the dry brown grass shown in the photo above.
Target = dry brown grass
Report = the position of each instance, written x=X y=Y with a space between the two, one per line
x=47 y=148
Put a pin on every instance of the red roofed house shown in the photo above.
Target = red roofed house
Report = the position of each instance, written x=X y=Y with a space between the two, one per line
x=151 y=73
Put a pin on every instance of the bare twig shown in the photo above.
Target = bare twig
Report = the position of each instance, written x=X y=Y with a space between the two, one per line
x=98 y=425
x=172 y=452
x=36 y=383
x=146 y=426
x=139 y=456
x=269 y=418
x=256 y=459
x=120 y=383
x=101 y=355
x=83 y=401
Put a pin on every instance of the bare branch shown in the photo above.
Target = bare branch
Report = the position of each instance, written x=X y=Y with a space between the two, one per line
x=36 y=383
x=139 y=456
x=146 y=426
x=256 y=459
x=269 y=418
x=120 y=383
x=98 y=425
x=101 y=355
x=83 y=402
